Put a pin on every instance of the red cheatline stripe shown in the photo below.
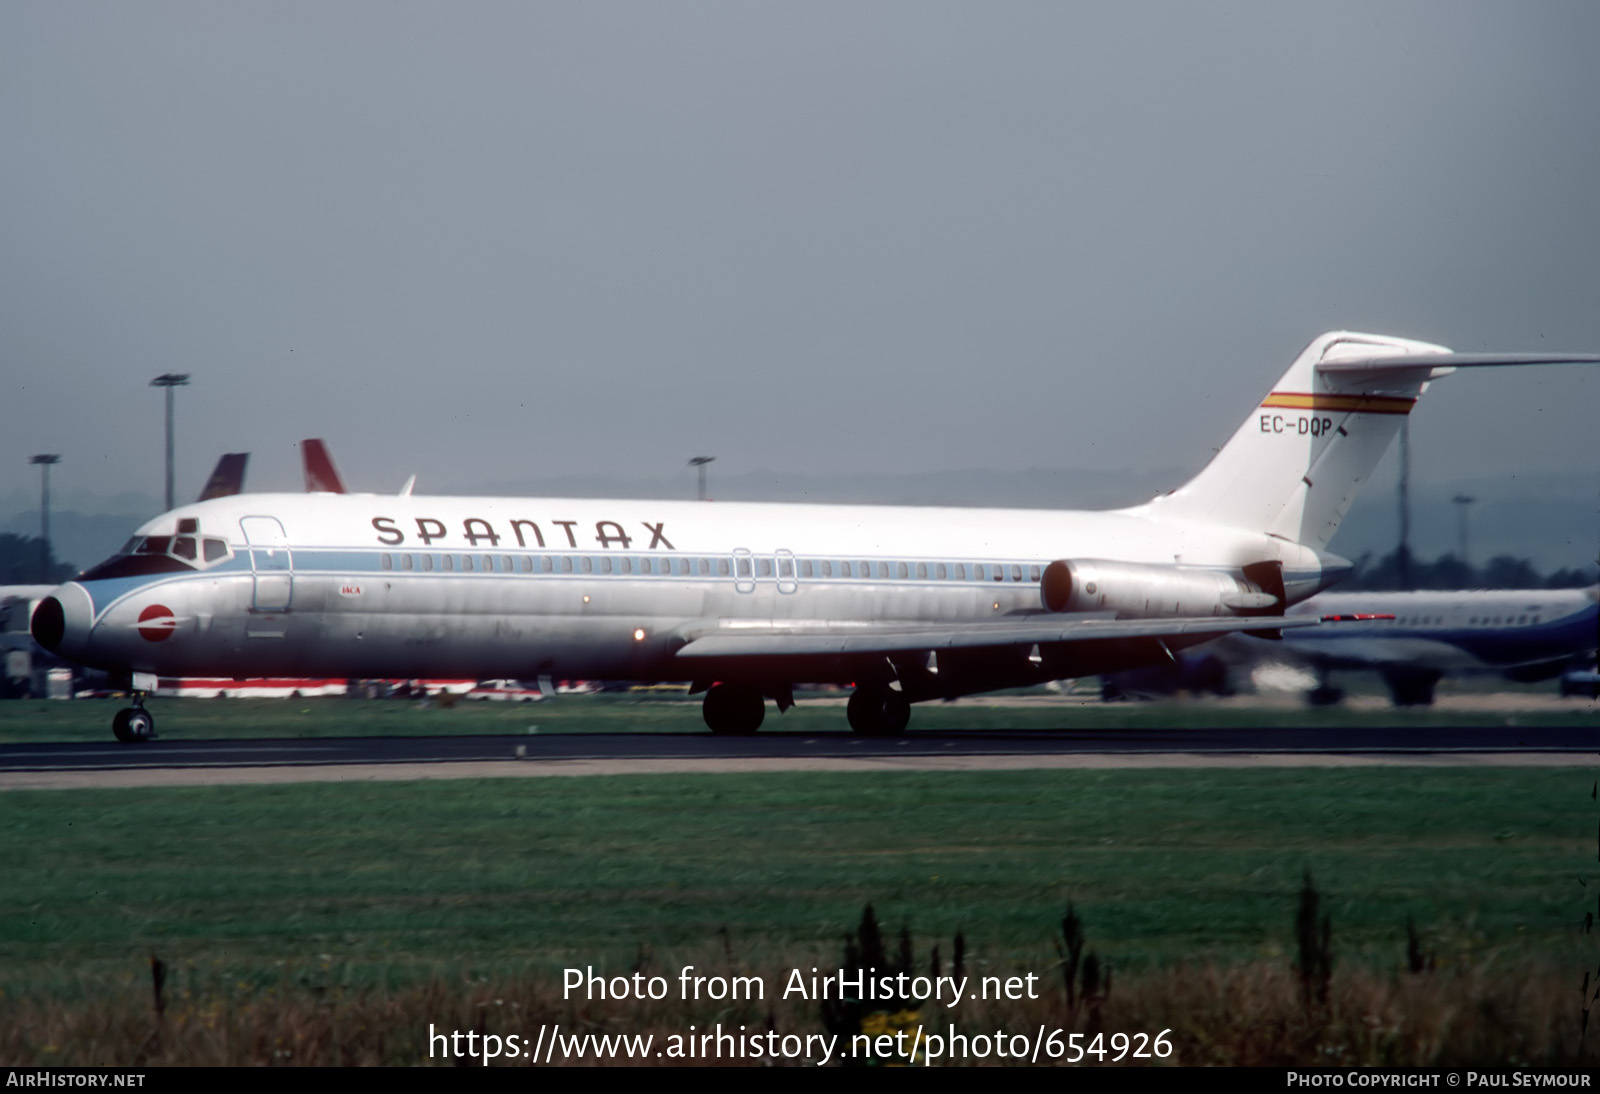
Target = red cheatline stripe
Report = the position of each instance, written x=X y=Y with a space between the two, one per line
x=1353 y=404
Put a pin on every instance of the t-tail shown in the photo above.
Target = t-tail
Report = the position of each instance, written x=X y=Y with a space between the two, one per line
x=1298 y=461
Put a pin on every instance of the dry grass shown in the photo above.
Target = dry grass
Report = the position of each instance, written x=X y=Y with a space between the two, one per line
x=1252 y=1014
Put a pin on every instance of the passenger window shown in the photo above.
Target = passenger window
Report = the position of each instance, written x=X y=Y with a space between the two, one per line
x=588 y=564
x=624 y=565
x=184 y=547
x=527 y=564
x=743 y=565
x=547 y=564
x=922 y=571
x=998 y=572
x=805 y=568
x=939 y=571
x=405 y=562
x=786 y=567
x=827 y=568
x=1033 y=574
x=763 y=567
x=722 y=567
x=449 y=562
x=427 y=562
x=505 y=564
x=844 y=570
x=386 y=561
x=566 y=564
x=961 y=571
x=902 y=570
x=866 y=570
x=1016 y=573
x=605 y=565
x=705 y=567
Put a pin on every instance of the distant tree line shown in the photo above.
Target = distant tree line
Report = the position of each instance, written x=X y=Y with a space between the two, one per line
x=1387 y=574
x=22 y=563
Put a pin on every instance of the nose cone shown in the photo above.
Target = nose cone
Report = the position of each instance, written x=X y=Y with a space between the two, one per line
x=62 y=620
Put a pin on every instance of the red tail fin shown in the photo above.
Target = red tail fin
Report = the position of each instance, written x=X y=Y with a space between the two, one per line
x=321 y=478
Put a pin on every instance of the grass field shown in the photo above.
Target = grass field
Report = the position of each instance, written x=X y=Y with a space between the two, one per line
x=391 y=887
x=193 y=719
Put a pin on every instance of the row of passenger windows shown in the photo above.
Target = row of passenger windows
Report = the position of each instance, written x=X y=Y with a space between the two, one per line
x=1475 y=621
x=744 y=567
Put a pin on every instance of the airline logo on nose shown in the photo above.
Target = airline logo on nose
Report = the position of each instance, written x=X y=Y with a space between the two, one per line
x=156 y=623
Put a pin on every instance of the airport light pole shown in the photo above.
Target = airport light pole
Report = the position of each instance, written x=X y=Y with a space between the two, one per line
x=44 y=461
x=170 y=380
x=1462 y=501
x=1404 y=558
x=700 y=462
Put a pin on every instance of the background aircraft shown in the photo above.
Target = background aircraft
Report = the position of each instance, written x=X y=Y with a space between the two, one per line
x=1411 y=639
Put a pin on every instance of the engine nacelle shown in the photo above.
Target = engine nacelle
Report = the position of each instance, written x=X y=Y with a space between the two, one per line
x=1140 y=590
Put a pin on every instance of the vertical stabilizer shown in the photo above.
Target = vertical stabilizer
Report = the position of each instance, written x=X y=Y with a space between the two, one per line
x=321 y=478
x=227 y=478
x=1298 y=461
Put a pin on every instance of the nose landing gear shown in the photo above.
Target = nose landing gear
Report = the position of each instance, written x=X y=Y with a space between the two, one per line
x=134 y=725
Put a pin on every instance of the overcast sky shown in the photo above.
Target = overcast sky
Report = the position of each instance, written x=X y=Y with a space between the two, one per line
x=488 y=242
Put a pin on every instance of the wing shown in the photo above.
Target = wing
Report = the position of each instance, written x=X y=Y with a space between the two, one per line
x=836 y=637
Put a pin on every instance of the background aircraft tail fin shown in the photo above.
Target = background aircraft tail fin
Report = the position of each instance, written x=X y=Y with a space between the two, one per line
x=227 y=478
x=1295 y=465
x=321 y=478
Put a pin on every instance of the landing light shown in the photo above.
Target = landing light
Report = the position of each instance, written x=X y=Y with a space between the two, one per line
x=638 y=634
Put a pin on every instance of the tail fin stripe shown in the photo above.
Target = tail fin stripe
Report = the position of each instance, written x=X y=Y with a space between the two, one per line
x=1354 y=404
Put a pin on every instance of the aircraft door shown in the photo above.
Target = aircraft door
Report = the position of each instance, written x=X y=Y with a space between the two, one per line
x=787 y=581
x=744 y=575
x=271 y=561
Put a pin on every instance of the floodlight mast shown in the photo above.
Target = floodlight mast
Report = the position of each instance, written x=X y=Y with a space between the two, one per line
x=700 y=462
x=170 y=380
x=44 y=461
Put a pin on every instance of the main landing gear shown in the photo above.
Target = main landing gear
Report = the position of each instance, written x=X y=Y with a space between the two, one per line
x=730 y=708
x=876 y=711
x=134 y=725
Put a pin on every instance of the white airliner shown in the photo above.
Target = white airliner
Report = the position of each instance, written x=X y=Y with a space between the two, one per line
x=748 y=600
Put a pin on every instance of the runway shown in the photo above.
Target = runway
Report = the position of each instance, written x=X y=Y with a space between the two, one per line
x=225 y=761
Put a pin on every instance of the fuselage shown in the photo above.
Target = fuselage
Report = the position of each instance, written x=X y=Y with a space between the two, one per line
x=371 y=585
x=1499 y=630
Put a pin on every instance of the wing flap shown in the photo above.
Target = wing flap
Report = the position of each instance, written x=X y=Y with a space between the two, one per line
x=850 y=638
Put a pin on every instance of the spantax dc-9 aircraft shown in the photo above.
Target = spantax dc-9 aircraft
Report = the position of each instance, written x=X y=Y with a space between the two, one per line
x=748 y=600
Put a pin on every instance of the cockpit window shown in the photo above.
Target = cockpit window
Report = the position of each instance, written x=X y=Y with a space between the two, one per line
x=160 y=554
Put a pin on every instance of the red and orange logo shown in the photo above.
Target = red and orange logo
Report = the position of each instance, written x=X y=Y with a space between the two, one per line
x=156 y=623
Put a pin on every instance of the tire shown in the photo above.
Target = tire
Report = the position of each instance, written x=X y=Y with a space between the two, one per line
x=878 y=712
x=133 y=726
x=730 y=709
